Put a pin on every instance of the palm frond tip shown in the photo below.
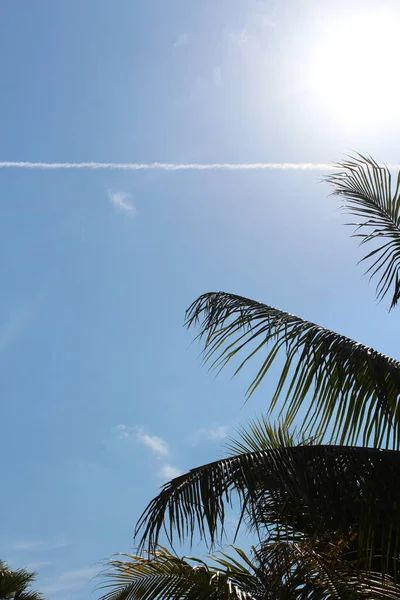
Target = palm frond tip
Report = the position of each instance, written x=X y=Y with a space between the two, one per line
x=349 y=387
x=162 y=575
x=367 y=193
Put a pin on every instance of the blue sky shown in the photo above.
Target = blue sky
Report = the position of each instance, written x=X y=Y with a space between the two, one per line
x=103 y=395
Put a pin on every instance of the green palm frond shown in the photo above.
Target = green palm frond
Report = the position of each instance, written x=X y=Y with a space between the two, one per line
x=320 y=569
x=261 y=434
x=163 y=575
x=16 y=583
x=281 y=570
x=28 y=596
x=305 y=570
x=306 y=489
x=351 y=389
x=366 y=190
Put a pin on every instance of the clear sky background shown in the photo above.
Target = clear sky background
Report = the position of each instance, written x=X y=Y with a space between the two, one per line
x=103 y=397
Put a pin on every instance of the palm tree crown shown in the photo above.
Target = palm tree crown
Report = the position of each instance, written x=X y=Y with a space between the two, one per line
x=326 y=507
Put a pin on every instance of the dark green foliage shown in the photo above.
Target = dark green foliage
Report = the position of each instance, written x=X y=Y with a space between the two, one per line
x=366 y=191
x=315 y=570
x=162 y=574
x=308 y=490
x=346 y=386
x=326 y=509
x=15 y=585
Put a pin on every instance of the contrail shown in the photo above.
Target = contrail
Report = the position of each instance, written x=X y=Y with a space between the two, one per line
x=136 y=166
x=159 y=166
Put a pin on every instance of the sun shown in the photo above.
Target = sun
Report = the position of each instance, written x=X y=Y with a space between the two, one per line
x=354 y=66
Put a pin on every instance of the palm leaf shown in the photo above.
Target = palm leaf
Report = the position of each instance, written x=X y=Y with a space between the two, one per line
x=261 y=434
x=319 y=569
x=366 y=190
x=161 y=574
x=306 y=570
x=352 y=389
x=16 y=583
x=306 y=489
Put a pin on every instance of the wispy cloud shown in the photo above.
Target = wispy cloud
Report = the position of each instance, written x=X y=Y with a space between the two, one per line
x=13 y=327
x=71 y=580
x=169 y=472
x=157 y=445
x=59 y=542
x=216 y=76
x=161 y=166
x=121 y=201
x=260 y=16
x=239 y=36
x=85 y=574
x=181 y=40
x=215 y=433
x=59 y=588
x=123 y=431
x=35 y=566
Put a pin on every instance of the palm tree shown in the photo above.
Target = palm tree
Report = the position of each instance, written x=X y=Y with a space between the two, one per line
x=314 y=572
x=335 y=497
x=15 y=585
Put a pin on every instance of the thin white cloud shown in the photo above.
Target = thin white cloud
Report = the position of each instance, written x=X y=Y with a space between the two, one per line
x=157 y=445
x=181 y=40
x=280 y=166
x=123 y=431
x=239 y=36
x=85 y=574
x=35 y=566
x=260 y=16
x=57 y=588
x=215 y=433
x=59 y=542
x=121 y=201
x=169 y=472
x=12 y=328
x=266 y=22
x=71 y=580
x=216 y=76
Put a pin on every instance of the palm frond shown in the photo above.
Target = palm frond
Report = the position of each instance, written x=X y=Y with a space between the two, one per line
x=366 y=190
x=28 y=596
x=261 y=434
x=163 y=575
x=309 y=569
x=16 y=583
x=306 y=489
x=306 y=570
x=351 y=389
x=315 y=568
x=318 y=568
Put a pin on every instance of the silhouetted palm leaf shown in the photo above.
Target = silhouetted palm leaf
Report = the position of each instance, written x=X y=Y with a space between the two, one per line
x=366 y=190
x=306 y=570
x=306 y=489
x=162 y=575
x=349 y=387
x=260 y=434
x=16 y=583
x=319 y=568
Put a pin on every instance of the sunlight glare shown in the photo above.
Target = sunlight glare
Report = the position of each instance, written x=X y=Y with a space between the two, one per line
x=354 y=67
